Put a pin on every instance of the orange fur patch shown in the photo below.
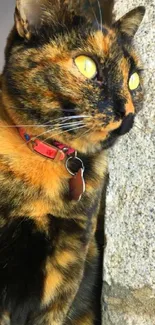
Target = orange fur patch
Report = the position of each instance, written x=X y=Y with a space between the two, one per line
x=53 y=281
x=65 y=258
x=124 y=68
x=87 y=319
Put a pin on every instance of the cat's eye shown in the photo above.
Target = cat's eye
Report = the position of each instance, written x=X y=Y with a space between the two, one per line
x=134 y=81
x=86 y=66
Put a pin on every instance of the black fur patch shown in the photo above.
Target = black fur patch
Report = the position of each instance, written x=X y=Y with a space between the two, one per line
x=23 y=250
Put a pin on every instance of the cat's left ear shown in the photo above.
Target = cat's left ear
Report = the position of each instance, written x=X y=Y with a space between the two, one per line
x=27 y=16
x=128 y=25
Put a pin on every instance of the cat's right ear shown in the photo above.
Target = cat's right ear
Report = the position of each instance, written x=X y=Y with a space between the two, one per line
x=28 y=16
x=128 y=25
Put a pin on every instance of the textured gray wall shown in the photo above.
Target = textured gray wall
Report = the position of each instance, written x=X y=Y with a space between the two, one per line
x=6 y=22
x=129 y=260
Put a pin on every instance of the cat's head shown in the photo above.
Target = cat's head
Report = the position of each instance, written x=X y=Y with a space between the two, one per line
x=67 y=68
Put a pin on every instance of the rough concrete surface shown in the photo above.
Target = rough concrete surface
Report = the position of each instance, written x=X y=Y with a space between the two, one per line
x=129 y=260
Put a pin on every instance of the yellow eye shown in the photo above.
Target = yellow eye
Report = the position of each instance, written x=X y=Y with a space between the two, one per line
x=134 y=81
x=86 y=66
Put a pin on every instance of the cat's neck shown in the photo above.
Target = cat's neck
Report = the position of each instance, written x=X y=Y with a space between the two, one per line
x=88 y=144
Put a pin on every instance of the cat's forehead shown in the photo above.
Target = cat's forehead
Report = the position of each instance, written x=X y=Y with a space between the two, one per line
x=101 y=44
x=102 y=41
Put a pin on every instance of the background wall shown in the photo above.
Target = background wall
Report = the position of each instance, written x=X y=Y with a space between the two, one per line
x=6 y=22
x=129 y=261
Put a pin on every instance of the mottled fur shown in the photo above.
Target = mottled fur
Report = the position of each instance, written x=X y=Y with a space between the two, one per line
x=49 y=261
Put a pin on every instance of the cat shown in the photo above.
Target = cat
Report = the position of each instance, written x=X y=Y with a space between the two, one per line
x=70 y=87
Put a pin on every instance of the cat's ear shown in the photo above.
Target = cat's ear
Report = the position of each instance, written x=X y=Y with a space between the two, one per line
x=27 y=16
x=128 y=25
x=31 y=15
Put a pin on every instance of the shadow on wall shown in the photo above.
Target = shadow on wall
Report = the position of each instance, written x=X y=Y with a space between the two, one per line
x=6 y=22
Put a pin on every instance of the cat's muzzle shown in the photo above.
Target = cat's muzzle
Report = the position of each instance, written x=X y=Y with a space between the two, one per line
x=126 y=125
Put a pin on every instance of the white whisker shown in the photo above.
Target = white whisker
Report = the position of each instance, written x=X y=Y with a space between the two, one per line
x=139 y=128
x=77 y=128
x=46 y=124
x=87 y=131
x=25 y=143
x=100 y=13
x=59 y=127
x=94 y=14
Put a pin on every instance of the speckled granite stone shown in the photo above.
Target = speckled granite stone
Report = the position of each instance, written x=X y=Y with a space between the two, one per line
x=129 y=261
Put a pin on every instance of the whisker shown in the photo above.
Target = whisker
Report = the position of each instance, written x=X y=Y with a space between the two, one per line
x=64 y=118
x=25 y=144
x=100 y=14
x=87 y=131
x=68 y=110
x=47 y=123
x=138 y=123
x=67 y=123
x=23 y=125
x=94 y=14
x=77 y=128
x=139 y=128
x=67 y=118
x=59 y=127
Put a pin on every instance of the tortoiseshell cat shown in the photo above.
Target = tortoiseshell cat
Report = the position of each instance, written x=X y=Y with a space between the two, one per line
x=70 y=87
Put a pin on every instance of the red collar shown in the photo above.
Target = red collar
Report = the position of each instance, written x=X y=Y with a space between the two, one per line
x=57 y=151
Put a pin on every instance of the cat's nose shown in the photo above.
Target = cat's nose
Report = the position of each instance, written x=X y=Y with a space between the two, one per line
x=126 y=125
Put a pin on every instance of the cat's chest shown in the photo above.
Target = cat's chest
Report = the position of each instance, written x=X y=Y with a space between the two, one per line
x=41 y=186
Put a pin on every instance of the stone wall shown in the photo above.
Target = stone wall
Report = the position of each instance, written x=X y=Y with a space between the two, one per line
x=129 y=259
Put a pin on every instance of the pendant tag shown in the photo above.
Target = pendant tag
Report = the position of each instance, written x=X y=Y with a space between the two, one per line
x=75 y=167
x=77 y=185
